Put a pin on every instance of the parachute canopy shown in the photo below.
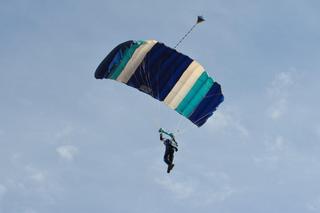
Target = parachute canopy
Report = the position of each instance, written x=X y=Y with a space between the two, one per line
x=166 y=75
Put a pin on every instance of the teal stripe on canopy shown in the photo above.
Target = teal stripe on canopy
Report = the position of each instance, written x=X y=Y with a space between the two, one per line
x=192 y=93
x=198 y=97
x=126 y=57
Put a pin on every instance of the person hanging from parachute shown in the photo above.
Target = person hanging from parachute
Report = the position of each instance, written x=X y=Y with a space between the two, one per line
x=169 y=76
x=171 y=147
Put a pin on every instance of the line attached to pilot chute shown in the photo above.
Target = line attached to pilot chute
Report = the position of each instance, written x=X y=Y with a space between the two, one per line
x=199 y=20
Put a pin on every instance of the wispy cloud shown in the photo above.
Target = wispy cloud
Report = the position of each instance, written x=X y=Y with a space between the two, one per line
x=278 y=144
x=65 y=131
x=3 y=191
x=215 y=188
x=278 y=92
x=280 y=84
x=206 y=189
x=33 y=184
x=224 y=121
x=36 y=175
x=314 y=205
x=181 y=190
x=278 y=108
x=266 y=161
x=218 y=195
x=67 y=152
x=317 y=130
x=276 y=149
x=29 y=210
x=25 y=102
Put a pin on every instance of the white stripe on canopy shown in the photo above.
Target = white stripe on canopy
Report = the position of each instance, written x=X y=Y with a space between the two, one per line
x=184 y=85
x=135 y=61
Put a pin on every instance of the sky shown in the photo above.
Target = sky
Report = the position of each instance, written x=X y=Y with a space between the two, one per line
x=71 y=143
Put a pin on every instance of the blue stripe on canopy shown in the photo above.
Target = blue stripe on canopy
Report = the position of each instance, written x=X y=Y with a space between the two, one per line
x=148 y=72
x=103 y=69
x=160 y=70
x=172 y=74
x=207 y=106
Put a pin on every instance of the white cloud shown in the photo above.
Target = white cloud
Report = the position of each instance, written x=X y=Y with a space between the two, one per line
x=278 y=92
x=25 y=102
x=218 y=195
x=278 y=109
x=205 y=189
x=34 y=184
x=220 y=122
x=29 y=210
x=276 y=150
x=216 y=176
x=15 y=158
x=181 y=190
x=226 y=121
x=317 y=131
x=3 y=191
x=281 y=81
x=314 y=205
x=241 y=128
x=67 y=152
x=217 y=188
x=266 y=161
x=36 y=175
x=67 y=130
x=278 y=144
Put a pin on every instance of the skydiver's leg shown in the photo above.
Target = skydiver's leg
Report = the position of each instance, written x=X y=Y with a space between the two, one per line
x=167 y=158
x=171 y=156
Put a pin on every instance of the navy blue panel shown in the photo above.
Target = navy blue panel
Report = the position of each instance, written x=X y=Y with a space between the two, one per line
x=161 y=69
x=208 y=105
x=173 y=74
x=156 y=52
x=155 y=66
x=102 y=71
x=147 y=73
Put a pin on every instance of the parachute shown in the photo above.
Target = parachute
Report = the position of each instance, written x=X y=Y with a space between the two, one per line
x=166 y=75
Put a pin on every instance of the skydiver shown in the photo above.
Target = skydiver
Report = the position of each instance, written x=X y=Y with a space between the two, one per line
x=171 y=147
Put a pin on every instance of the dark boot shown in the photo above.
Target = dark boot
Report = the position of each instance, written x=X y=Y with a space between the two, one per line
x=170 y=167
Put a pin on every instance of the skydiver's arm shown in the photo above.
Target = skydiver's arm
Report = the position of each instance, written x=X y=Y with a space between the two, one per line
x=174 y=144
x=161 y=137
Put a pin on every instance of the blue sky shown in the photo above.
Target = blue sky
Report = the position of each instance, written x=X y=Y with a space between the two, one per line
x=71 y=143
